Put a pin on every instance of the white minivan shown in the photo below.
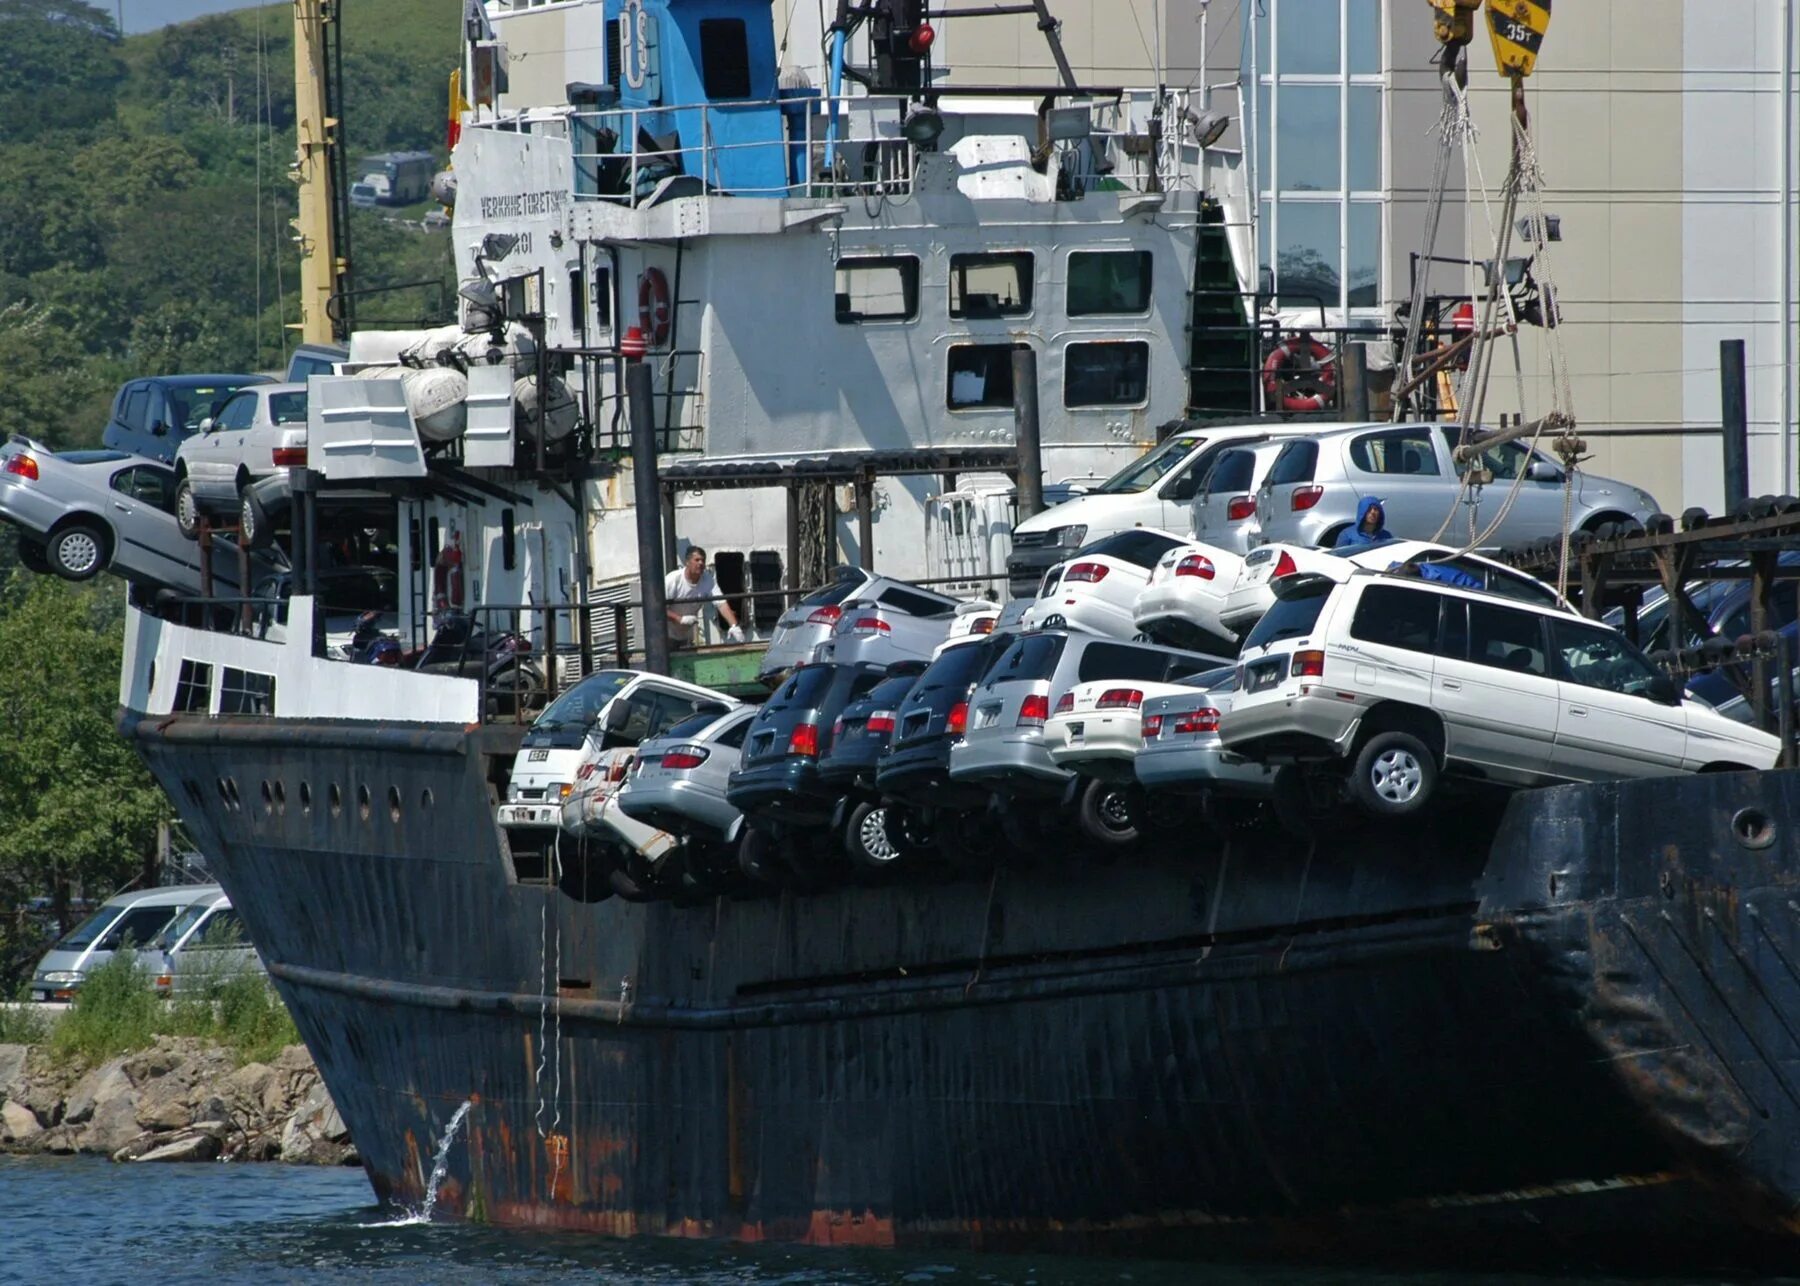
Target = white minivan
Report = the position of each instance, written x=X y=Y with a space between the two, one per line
x=1392 y=679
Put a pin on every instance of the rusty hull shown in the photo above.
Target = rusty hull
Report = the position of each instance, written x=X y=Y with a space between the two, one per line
x=1560 y=1026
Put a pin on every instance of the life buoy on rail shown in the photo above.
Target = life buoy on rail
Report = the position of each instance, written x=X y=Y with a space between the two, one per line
x=1321 y=377
x=447 y=576
x=653 y=305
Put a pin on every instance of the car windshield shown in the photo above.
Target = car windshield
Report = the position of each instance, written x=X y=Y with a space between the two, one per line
x=180 y=925
x=287 y=408
x=84 y=934
x=1290 y=617
x=192 y=405
x=578 y=706
x=1142 y=474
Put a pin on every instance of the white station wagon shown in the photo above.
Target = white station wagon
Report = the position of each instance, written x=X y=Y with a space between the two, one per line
x=260 y=431
x=1399 y=679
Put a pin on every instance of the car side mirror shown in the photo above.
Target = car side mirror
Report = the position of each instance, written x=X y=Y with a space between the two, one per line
x=208 y=425
x=615 y=717
x=1664 y=690
x=1543 y=471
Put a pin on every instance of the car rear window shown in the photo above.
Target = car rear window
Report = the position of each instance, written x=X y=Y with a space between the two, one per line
x=805 y=688
x=912 y=602
x=956 y=668
x=693 y=725
x=1122 y=661
x=1141 y=548
x=893 y=690
x=1223 y=680
x=1032 y=657
x=287 y=408
x=1232 y=473
x=1290 y=617
x=836 y=592
x=1294 y=464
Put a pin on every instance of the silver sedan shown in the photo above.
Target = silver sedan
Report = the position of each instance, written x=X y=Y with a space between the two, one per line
x=678 y=781
x=1181 y=750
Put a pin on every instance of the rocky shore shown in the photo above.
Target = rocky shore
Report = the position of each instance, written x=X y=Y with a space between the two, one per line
x=182 y=1099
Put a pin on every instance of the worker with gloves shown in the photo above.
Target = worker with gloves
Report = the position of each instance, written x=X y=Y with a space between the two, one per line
x=688 y=582
x=1371 y=525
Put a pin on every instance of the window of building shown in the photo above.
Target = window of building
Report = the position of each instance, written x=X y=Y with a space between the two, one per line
x=1109 y=281
x=991 y=285
x=724 y=59
x=1317 y=117
x=1109 y=373
x=980 y=375
x=877 y=289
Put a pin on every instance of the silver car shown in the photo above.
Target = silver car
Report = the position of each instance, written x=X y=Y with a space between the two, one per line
x=80 y=513
x=1225 y=506
x=678 y=781
x=259 y=432
x=1312 y=490
x=814 y=619
x=130 y=921
x=203 y=948
x=1181 y=751
x=882 y=633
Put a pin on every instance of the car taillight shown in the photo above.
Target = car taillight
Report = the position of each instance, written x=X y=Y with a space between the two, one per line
x=983 y=625
x=1304 y=498
x=837 y=728
x=22 y=466
x=1284 y=566
x=1120 y=699
x=870 y=625
x=1205 y=719
x=685 y=757
x=881 y=721
x=1195 y=565
x=957 y=722
x=584 y=772
x=1087 y=573
x=1240 y=507
x=289 y=457
x=825 y=616
x=1309 y=664
x=1152 y=727
x=804 y=740
x=1065 y=703
x=1033 y=710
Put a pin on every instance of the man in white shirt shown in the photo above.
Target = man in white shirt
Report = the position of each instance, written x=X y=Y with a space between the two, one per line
x=692 y=580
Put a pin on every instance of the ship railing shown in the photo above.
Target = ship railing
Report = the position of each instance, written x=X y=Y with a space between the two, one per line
x=1246 y=359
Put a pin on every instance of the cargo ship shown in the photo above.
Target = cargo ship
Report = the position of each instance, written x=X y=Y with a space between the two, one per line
x=1557 y=1024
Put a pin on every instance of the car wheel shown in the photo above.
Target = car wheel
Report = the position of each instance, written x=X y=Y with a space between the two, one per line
x=1394 y=774
x=512 y=690
x=756 y=857
x=866 y=838
x=78 y=551
x=253 y=521
x=1109 y=814
x=187 y=509
x=32 y=557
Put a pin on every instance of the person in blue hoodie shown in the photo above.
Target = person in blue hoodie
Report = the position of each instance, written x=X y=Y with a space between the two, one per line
x=1371 y=525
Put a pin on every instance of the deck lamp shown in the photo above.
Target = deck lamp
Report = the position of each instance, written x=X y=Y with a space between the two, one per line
x=922 y=127
x=1209 y=126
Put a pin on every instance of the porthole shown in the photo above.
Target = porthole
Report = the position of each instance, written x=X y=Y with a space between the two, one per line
x=224 y=795
x=426 y=799
x=280 y=798
x=305 y=797
x=362 y=802
x=268 y=795
x=394 y=804
x=231 y=792
x=335 y=798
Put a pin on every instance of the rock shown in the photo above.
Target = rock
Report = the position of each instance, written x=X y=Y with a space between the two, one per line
x=17 y=1124
x=149 y=1064
x=315 y=1134
x=208 y=1106
x=44 y=1097
x=294 y=1058
x=113 y=1124
x=105 y=1082
x=12 y=1070
x=250 y=1089
x=140 y=1145
x=162 y=1104
x=59 y=1141
x=188 y=1145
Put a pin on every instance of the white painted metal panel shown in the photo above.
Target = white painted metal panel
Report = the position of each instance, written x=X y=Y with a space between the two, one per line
x=361 y=429
x=488 y=442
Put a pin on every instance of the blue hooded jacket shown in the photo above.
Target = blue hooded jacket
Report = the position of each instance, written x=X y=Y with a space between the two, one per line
x=1353 y=536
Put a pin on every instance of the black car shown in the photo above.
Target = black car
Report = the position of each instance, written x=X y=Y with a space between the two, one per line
x=778 y=776
x=859 y=738
x=150 y=417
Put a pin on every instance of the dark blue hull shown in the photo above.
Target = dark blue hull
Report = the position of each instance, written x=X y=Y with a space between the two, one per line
x=1568 y=1025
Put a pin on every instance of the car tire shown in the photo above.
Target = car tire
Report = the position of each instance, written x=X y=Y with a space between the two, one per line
x=1054 y=621
x=254 y=530
x=866 y=838
x=1394 y=776
x=756 y=857
x=187 y=508
x=33 y=557
x=78 y=551
x=513 y=690
x=1109 y=814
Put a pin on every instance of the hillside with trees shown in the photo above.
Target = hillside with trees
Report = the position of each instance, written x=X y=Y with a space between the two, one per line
x=144 y=211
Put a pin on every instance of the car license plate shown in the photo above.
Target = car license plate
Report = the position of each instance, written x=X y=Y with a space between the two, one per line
x=537 y=756
x=40 y=995
x=1077 y=731
x=987 y=716
x=1264 y=676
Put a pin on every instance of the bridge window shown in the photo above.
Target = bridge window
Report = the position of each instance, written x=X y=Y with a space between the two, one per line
x=991 y=285
x=193 y=688
x=980 y=376
x=1106 y=374
x=724 y=59
x=877 y=289
x=246 y=692
x=1109 y=281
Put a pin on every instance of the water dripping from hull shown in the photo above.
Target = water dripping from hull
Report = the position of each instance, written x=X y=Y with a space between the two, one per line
x=440 y=1164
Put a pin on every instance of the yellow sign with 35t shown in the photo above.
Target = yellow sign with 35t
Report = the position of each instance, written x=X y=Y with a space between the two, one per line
x=1517 y=28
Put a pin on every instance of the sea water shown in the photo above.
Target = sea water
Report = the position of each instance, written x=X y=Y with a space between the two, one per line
x=68 y=1220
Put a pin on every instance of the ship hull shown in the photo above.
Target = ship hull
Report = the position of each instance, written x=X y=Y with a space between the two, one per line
x=1560 y=1027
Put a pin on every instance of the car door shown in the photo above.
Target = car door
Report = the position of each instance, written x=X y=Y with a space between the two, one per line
x=212 y=455
x=1403 y=466
x=147 y=541
x=1275 y=499
x=1493 y=688
x=1537 y=506
x=1609 y=726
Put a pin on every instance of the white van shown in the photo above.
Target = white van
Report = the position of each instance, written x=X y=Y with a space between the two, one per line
x=129 y=921
x=1156 y=490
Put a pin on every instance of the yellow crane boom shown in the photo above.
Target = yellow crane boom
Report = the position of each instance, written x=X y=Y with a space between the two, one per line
x=323 y=271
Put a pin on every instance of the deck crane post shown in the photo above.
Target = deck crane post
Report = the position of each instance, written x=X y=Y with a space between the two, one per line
x=318 y=162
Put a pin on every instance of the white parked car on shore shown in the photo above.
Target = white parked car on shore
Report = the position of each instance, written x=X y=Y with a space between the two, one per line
x=1389 y=681
x=1095 y=729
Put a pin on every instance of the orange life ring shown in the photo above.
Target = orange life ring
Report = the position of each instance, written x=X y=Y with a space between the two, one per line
x=654 y=312
x=1323 y=376
x=447 y=576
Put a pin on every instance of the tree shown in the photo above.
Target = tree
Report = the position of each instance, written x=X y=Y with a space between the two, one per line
x=59 y=66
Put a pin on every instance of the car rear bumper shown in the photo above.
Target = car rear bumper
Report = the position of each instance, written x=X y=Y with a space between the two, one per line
x=1245 y=606
x=1008 y=763
x=680 y=807
x=790 y=790
x=1298 y=725
x=921 y=775
x=1193 y=767
x=1107 y=741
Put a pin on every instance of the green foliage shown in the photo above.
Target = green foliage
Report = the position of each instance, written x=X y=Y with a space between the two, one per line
x=22 y=1022
x=115 y=1011
x=59 y=66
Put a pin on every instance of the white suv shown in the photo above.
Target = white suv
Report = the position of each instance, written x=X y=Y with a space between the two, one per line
x=1400 y=679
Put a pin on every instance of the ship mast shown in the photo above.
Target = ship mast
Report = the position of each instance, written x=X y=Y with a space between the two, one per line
x=324 y=260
